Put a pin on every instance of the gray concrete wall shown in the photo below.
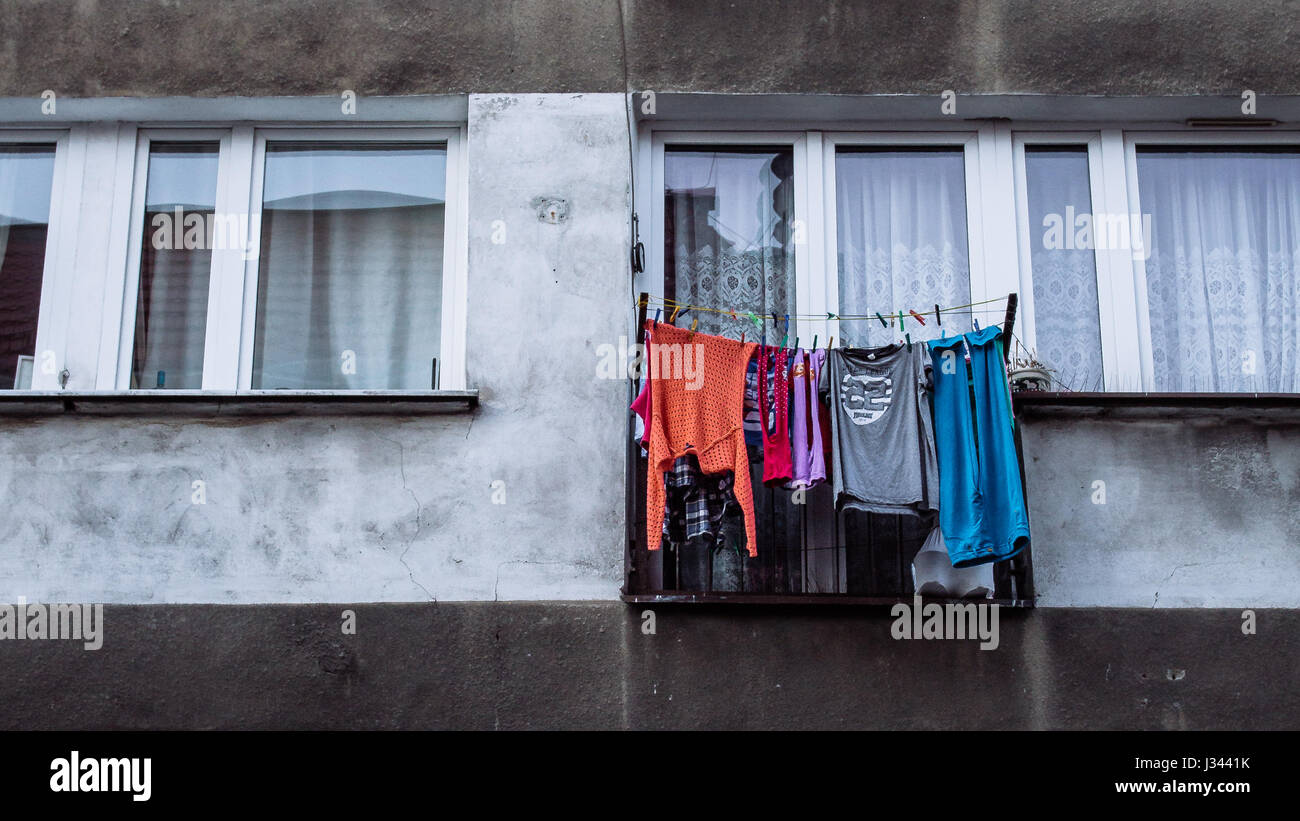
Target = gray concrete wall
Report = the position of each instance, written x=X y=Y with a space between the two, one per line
x=1198 y=511
x=572 y=666
x=373 y=508
x=86 y=48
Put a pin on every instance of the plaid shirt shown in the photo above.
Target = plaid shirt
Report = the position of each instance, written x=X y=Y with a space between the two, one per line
x=696 y=502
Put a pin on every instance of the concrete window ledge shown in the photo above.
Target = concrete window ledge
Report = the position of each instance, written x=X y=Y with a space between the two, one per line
x=235 y=403
x=1263 y=406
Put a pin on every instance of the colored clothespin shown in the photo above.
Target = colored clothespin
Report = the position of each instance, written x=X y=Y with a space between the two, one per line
x=658 y=313
x=883 y=323
x=814 y=347
x=830 y=316
x=695 y=323
x=908 y=337
x=796 y=343
x=976 y=321
x=916 y=316
x=830 y=344
x=901 y=326
x=936 y=314
x=672 y=320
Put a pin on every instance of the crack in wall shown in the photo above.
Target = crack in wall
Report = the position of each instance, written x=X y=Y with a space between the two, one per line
x=1156 y=600
x=419 y=510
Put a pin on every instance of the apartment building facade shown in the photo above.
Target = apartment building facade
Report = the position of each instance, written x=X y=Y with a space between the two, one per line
x=311 y=312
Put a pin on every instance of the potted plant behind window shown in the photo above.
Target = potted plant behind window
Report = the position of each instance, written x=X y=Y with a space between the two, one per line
x=1027 y=373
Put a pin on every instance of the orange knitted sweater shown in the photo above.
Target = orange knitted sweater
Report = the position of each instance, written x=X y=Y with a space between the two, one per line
x=698 y=407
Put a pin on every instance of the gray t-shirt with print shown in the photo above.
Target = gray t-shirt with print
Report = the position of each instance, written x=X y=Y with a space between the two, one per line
x=882 y=449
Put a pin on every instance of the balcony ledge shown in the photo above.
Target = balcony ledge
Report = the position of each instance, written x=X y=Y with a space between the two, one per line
x=1258 y=406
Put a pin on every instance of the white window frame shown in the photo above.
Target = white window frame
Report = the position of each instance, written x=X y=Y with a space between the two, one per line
x=652 y=281
x=989 y=213
x=250 y=152
x=997 y=211
x=1115 y=298
x=90 y=284
x=989 y=206
x=120 y=377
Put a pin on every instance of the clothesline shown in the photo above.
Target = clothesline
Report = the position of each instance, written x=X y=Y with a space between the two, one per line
x=882 y=316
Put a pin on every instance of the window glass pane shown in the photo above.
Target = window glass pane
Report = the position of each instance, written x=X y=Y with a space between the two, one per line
x=171 y=313
x=26 y=180
x=1064 y=265
x=1223 y=278
x=901 y=224
x=349 y=290
x=727 y=233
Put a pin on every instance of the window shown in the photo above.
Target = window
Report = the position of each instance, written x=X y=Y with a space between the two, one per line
x=289 y=259
x=810 y=223
x=26 y=184
x=171 y=309
x=901 y=237
x=1223 y=275
x=349 y=278
x=728 y=230
x=1062 y=264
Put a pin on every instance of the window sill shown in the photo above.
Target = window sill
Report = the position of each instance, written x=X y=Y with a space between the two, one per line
x=235 y=403
x=1265 y=406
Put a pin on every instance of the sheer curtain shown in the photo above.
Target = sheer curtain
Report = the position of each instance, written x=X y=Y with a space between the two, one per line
x=350 y=273
x=727 y=235
x=901 y=224
x=349 y=299
x=1068 y=331
x=1223 y=279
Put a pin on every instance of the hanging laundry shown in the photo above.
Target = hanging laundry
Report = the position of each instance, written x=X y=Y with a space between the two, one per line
x=882 y=457
x=808 y=453
x=699 y=388
x=776 y=434
x=753 y=419
x=697 y=504
x=982 y=507
x=641 y=405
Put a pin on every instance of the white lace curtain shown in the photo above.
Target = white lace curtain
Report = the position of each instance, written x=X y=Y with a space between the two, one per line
x=1068 y=332
x=901 y=223
x=728 y=236
x=1223 y=279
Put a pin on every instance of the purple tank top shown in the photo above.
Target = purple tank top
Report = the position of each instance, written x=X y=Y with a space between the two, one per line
x=808 y=458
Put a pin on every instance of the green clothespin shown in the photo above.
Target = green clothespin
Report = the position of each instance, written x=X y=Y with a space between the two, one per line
x=883 y=323
x=901 y=326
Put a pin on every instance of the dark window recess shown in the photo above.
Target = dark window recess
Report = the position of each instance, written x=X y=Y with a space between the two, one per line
x=26 y=180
